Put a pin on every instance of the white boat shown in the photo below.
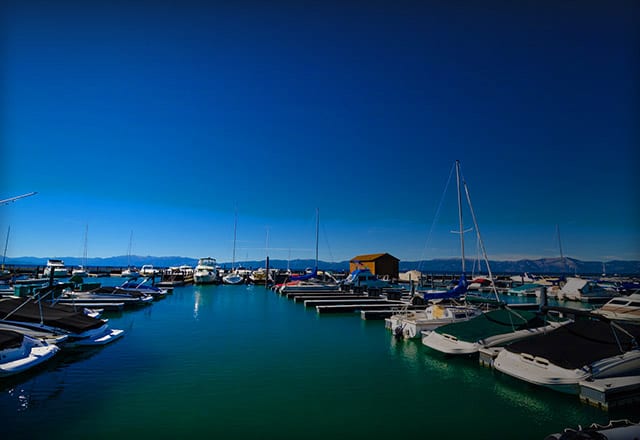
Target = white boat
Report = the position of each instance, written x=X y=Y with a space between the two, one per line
x=142 y=287
x=46 y=336
x=260 y=276
x=19 y=352
x=206 y=271
x=233 y=278
x=582 y=350
x=581 y=289
x=81 y=329
x=147 y=270
x=130 y=272
x=622 y=308
x=57 y=268
x=491 y=329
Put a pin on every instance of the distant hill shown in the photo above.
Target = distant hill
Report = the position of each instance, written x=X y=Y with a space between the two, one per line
x=539 y=266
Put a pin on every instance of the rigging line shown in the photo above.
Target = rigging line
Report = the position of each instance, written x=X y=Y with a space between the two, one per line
x=326 y=239
x=436 y=217
x=479 y=237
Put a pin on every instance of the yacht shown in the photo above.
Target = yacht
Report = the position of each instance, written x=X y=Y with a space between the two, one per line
x=206 y=271
x=622 y=308
x=55 y=267
x=582 y=350
x=19 y=352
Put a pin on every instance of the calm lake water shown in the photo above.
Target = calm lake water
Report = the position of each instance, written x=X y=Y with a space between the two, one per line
x=242 y=362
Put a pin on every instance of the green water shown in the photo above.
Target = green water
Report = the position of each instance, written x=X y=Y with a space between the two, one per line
x=242 y=362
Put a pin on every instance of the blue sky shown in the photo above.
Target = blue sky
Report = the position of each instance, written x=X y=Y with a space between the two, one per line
x=168 y=118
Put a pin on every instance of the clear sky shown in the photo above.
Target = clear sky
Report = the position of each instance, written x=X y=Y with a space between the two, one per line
x=168 y=118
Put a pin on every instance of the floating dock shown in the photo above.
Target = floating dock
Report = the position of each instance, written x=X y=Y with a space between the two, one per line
x=611 y=392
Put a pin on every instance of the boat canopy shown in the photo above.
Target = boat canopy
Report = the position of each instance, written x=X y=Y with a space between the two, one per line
x=306 y=276
x=459 y=290
x=57 y=316
x=579 y=343
x=492 y=323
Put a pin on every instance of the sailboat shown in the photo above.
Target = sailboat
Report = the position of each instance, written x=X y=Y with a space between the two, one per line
x=130 y=272
x=81 y=270
x=492 y=329
x=234 y=276
x=410 y=324
x=309 y=281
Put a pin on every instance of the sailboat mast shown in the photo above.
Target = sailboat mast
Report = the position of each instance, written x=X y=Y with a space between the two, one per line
x=235 y=226
x=84 y=254
x=559 y=241
x=460 y=215
x=317 y=228
x=129 y=250
x=6 y=244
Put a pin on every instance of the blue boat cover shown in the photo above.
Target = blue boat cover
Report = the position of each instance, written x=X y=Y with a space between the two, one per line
x=307 y=276
x=459 y=290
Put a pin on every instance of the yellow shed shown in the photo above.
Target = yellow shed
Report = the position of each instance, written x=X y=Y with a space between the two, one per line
x=379 y=264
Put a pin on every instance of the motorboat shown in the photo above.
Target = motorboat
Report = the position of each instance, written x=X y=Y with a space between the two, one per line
x=130 y=272
x=19 y=352
x=142 y=287
x=527 y=289
x=582 y=289
x=102 y=297
x=47 y=336
x=582 y=350
x=147 y=270
x=206 y=271
x=233 y=277
x=363 y=278
x=82 y=330
x=55 y=268
x=490 y=329
x=622 y=308
x=622 y=429
x=260 y=276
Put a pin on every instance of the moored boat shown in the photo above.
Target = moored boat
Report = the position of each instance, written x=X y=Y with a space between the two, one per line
x=622 y=308
x=581 y=350
x=206 y=271
x=19 y=352
x=56 y=268
x=80 y=328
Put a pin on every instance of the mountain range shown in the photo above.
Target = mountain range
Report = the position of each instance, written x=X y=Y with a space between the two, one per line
x=539 y=266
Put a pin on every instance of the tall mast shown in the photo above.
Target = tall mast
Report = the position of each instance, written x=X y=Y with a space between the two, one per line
x=129 y=250
x=317 y=227
x=460 y=214
x=84 y=254
x=235 y=226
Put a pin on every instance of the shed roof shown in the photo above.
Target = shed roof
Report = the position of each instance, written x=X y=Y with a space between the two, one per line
x=371 y=257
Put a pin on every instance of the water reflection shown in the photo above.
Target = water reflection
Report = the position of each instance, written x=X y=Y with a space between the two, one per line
x=196 y=303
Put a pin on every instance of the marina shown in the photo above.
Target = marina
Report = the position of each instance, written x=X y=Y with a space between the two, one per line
x=243 y=361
